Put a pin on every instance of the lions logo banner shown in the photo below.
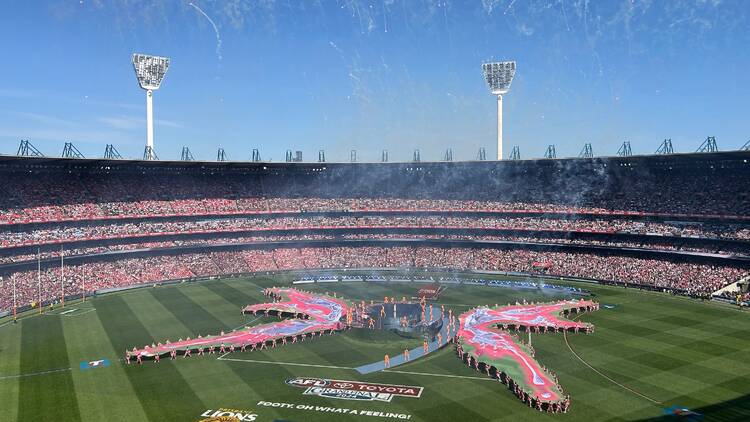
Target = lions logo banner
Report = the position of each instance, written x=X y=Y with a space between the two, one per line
x=102 y=363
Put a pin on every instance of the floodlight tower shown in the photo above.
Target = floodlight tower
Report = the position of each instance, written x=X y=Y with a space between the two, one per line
x=150 y=71
x=499 y=76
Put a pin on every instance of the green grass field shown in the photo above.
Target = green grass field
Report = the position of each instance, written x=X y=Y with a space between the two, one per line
x=655 y=350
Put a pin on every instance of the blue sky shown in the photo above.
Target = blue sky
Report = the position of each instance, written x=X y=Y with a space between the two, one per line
x=373 y=75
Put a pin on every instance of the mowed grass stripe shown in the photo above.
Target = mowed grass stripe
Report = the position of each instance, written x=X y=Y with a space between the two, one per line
x=242 y=295
x=42 y=349
x=100 y=391
x=153 y=388
x=10 y=362
x=204 y=372
x=228 y=313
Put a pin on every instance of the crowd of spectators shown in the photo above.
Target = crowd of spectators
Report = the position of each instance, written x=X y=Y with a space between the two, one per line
x=64 y=233
x=79 y=250
x=58 y=196
x=686 y=278
x=726 y=250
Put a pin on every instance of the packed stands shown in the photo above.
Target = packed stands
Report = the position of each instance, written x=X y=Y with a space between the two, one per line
x=110 y=230
x=677 y=222
x=688 y=278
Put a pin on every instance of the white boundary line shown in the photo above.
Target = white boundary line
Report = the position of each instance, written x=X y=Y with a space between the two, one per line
x=51 y=371
x=79 y=313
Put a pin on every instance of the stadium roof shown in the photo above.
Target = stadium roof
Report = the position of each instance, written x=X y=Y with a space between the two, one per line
x=15 y=163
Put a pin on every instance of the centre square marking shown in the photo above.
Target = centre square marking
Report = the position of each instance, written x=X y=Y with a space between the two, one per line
x=353 y=390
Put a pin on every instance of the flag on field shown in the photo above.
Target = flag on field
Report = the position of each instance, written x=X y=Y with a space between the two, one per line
x=683 y=413
x=102 y=363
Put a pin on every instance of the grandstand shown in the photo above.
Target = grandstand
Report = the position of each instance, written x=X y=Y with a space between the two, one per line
x=681 y=214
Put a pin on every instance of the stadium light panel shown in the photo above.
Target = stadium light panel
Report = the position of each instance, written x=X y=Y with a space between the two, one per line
x=150 y=70
x=499 y=76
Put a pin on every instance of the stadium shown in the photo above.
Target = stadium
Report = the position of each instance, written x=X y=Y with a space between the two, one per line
x=630 y=271
x=490 y=287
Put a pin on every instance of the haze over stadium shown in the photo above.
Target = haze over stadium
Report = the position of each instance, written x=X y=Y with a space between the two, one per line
x=323 y=216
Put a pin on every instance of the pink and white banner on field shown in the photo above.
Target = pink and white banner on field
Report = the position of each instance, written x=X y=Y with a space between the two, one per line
x=314 y=313
x=485 y=342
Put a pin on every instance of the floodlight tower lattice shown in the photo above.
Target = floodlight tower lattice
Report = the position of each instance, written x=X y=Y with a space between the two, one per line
x=515 y=154
x=110 y=153
x=482 y=154
x=587 y=151
x=70 y=151
x=550 y=152
x=448 y=155
x=499 y=76
x=221 y=155
x=625 y=150
x=665 y=147
x=27 y=149
x=709 y=145
x=186 y=155
x=150 y=71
